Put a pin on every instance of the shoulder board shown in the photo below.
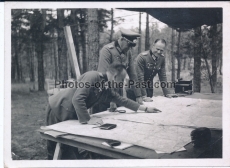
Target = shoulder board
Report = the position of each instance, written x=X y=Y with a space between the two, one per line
x=162 y=55
x=100 y=74
x=144 y=53
x=110 y=46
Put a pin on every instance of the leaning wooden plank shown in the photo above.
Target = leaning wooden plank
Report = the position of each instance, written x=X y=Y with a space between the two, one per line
x=57 y=153
x=71 y=51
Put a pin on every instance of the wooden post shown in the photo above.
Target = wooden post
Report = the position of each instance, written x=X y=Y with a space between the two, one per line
x=57 y=153
x=71 y=51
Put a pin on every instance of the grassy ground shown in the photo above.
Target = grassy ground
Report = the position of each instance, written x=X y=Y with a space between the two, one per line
x=28 y=114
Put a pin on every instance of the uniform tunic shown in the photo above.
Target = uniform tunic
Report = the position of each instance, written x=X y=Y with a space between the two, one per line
x=112 y=53
x=72 y=103
x=148 y=65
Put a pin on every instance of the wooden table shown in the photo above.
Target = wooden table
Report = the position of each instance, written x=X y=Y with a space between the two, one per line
x=137 y=152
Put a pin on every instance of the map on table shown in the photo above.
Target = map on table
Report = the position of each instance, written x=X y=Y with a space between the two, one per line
x=175 y=111
x=165 y=131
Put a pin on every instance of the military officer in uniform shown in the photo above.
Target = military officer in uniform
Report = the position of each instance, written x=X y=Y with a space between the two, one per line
x=150 y=63
x=119 y=51
x=72 y=103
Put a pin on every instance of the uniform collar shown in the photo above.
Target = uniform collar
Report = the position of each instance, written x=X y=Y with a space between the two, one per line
x=118 y=47
x=104 y=76
x=153 y=56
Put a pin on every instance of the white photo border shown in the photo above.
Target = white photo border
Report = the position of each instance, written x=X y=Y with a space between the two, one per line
x=225 y=161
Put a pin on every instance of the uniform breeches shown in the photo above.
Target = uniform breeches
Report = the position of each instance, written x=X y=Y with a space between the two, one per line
x=149 y=92
x=68 y=152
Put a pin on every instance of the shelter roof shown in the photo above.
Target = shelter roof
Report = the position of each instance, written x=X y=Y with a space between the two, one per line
x=184 y=18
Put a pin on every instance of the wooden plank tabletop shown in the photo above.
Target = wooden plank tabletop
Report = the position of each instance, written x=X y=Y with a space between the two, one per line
x=137 y=152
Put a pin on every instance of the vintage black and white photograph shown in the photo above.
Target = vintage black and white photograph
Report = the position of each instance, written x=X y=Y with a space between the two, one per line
x=106 y=83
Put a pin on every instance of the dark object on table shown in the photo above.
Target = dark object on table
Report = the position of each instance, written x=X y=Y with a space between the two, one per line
x=113 y=143
x=183 y=86
x=115 y=110
x=201 y=137
x=108 y=126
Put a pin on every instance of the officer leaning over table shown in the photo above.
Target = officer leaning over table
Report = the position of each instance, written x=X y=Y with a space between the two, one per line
x=148 y=64
x=120 y=52
x=72 y=103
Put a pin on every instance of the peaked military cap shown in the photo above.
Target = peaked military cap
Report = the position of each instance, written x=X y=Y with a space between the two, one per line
x=130 y=36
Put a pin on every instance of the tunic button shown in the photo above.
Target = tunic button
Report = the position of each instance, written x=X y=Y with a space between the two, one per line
x=67 y=109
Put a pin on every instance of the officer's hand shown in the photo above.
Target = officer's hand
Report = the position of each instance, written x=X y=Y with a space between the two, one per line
x=171 y=95
x=95 y=121
x=147 y=99
x=139 y=100
x=113 y=107
x=152 y=110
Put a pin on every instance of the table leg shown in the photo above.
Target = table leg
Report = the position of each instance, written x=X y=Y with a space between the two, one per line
x=57 y=153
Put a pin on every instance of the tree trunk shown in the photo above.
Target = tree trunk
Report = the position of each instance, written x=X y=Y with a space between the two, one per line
x=189 y=63
x=209 y=74
x=93 y=38
x=178 y=56
x=55 y=59
x=83 y=41
x=197 y=60
x=40 y=49
x=214 y=58
x=220 y=69
x=51 y=60
x=16 y=49
x=147 y=46
x=20 y=66
x=139 y=42
x=34 y=62
x=173 y=57
x=63 y=74
x=185 y=60
x=41 y=78
x=62 y=49
x=111 y=34
x=13 y=65
x=31 y=63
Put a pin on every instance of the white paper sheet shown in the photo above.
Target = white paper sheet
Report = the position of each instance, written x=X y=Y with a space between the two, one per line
x=165 y=131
